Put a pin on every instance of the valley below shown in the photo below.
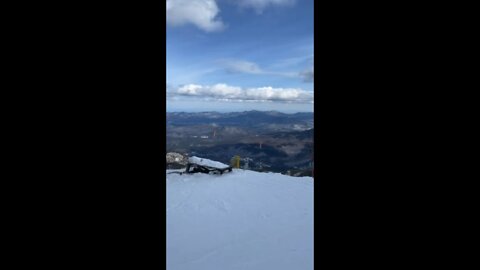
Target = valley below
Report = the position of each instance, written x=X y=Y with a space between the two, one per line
x=265 y=141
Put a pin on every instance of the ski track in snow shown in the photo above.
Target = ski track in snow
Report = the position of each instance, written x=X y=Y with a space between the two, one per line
x=239 y=220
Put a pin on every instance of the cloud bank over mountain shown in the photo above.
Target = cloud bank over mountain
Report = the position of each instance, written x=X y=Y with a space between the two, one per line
x=233 y=93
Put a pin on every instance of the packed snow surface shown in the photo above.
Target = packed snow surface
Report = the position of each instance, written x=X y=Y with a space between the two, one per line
x=239 y=220
x=207 y=162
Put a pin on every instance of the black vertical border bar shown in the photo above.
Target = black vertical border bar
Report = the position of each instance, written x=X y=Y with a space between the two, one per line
x=163 y=137
x=316 y=143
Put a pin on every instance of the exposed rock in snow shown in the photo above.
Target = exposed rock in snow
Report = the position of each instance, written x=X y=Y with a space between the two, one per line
x=173 y=157
x=207 y=162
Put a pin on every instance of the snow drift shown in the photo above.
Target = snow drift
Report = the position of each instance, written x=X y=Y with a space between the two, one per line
x=241 y=220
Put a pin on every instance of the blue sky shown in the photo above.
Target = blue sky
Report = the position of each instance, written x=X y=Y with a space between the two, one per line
x=236 y=55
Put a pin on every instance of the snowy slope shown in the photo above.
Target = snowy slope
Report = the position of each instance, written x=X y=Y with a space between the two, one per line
x=239 y=220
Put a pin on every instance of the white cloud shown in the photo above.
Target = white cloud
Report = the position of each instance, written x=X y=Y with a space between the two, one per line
x=239 y=66
x=232 y=93
x=292 y=62
x=307 y=75
x=201 y=13
x=204 y=13
x=260 y=5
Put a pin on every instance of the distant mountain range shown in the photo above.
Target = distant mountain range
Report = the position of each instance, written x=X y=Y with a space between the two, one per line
x=248 y=119
x=275 y=141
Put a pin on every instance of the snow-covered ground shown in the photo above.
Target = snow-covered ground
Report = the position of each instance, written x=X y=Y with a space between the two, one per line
x=239 y=220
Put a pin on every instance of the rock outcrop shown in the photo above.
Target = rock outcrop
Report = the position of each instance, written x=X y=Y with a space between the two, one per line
x=176 y=160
